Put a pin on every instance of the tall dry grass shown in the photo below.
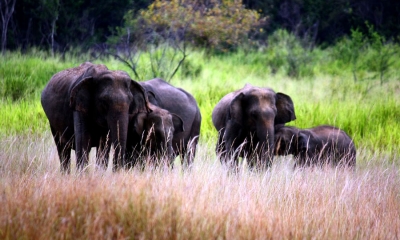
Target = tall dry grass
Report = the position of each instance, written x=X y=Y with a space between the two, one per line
x=38 y=202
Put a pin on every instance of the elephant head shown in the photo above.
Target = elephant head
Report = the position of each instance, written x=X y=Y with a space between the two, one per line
x=300 y=143
x=102 y=101
x=290 y=140
x=156 y=130
x=246 y=121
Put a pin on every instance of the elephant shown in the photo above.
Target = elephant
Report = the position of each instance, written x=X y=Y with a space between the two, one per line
x=245 y=120
x=182 y=104
x=316 y=146
x=89 y=106
x=151 y=134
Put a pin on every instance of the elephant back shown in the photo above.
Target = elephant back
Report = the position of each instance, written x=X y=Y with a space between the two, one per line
x=173 y=99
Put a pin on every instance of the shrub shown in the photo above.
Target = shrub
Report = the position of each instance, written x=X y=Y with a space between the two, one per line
x=218 y=25
x=286 y=52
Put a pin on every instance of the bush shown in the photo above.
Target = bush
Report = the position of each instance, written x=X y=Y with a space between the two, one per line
x=370 y=56
x=286 y=52
x=217 y=25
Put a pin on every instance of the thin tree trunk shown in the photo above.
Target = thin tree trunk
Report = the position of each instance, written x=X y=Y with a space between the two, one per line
x=53 y=29
x=6 y=12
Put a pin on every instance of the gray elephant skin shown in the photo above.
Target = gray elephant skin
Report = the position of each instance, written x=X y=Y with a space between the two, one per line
x=245 y=120
x=316 y=146
x=151 y=135
x=89 y=106
x=182 y=108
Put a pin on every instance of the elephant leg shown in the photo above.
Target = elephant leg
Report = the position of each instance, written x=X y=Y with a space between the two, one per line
x=186 y=159
x=188 y=154
x=181 y=152
x=258 y=164
x=64 y=153
x=221 y=152
x=230 y=160
x=64 y=147
x=220 y=147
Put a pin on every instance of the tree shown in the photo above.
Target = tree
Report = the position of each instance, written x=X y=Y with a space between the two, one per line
x=214 y=24
x=6 y=11
x=163 y=32
x=49 y=13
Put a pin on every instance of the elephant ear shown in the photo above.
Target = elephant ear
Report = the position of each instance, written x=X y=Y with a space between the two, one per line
x=235 y=111
x=285 y=109
x=152 y=97
x=140 y=101
x=80 y=93
x=178 y=123
x=139 y=120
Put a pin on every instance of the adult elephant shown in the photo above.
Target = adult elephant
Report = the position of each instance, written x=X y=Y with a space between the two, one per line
x=89 y=106
x=180 y=103
x=245 y=120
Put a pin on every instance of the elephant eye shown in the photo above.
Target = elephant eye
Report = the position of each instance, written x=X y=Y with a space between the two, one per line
x=303 y=150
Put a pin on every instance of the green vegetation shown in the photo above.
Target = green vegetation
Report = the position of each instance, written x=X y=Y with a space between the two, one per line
x=208 y=202
x=321 y=82
x=338 y=60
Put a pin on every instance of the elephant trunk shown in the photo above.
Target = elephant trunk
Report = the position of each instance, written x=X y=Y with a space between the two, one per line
x=171 y=153
x=118 y=124
x=165 y=151
x=266 y=143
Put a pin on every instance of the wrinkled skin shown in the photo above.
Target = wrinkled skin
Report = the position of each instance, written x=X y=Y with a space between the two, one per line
x=89 y=106
x=151 y=134
x=316 y=146
x=245 y=120
x=182 y=104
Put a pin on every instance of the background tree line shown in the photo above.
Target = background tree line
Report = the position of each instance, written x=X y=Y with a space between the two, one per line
x=63 y=24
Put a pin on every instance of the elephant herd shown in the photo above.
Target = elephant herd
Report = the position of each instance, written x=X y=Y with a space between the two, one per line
x=92 y=106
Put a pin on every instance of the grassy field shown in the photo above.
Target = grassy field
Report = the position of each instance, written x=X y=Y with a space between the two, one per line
x=37 y=202
x=206 y=203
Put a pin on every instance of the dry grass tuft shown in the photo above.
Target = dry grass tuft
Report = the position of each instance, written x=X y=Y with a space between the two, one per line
x=37 y=202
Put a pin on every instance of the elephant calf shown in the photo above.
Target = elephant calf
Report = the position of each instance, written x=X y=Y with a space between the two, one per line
x=178 y=104
x=151 y=134
x=316 y=146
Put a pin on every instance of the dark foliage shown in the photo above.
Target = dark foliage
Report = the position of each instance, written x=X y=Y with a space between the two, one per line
x=325 y=21
x=61 y=24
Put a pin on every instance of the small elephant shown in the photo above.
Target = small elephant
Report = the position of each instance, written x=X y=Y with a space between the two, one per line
x=86 y=103
x=182 y=104
x=245 y=120
x=151 y=134
x=316 y=146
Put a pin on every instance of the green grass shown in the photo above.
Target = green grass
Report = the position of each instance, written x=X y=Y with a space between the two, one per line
x=366 y=110
x=206 y=202
x=24 y=116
